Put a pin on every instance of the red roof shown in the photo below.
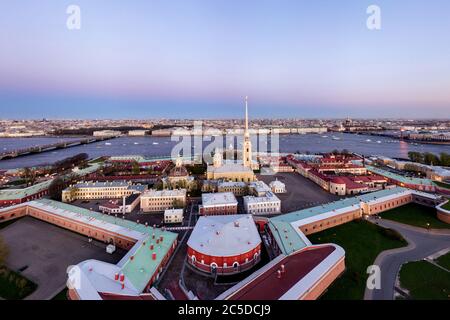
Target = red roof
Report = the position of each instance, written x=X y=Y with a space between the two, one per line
x=267 y=286
x=337 y=180
x=319 y=175
x=110 y=296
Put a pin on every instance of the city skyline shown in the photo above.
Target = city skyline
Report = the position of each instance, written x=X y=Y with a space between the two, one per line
x=198 y=60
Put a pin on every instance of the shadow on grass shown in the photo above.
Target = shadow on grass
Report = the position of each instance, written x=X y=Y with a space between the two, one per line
x=362 y=242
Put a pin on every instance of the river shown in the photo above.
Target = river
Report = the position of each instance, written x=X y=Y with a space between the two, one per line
x=162 y=146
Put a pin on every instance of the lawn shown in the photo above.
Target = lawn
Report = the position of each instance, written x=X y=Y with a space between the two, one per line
x=362 y=242
x=61 y=296
x=442 y=184
x=13 y=286
x=425 y=281
x=415 y=215
x=446 y=206
x=444 y=261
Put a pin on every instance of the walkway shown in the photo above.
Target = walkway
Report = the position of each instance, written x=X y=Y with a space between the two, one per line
x=421 y=244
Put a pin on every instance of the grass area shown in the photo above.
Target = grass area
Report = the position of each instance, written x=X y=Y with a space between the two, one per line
x=444 y=261
x=446 y=206
x=415 y=215
x=442 y=184
x=362 y=242
x=425 y=281
x=61 y=296
x=14 y=286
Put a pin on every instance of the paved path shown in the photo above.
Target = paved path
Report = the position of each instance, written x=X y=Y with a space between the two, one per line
x=170 y=277
x=421 y=244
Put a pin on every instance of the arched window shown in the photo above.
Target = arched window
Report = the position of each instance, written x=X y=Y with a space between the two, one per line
x=236 y=265
x=193 y=259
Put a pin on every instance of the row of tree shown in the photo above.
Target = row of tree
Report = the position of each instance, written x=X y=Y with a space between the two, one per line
x=70 y=162
x=3 y=251
x=30 y=175
x=443 y=159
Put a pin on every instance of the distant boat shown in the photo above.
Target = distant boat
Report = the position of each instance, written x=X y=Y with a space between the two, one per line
x=324 y=136
x=336 y=138
x=136 y=143
x=153 y=143
x=378 y=141
x=368 y=140
x=107 y=143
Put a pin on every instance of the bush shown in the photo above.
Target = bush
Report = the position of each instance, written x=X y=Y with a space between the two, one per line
x=3 y=251
x=391 y=234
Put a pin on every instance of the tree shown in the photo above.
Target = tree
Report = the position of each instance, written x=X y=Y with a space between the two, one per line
x=444 y=159
x=178 y=204
x=29 y=175
x=55 y=189
x=73 y=192
x=70 y=162
x=431 y=158
x=136 y=169
x=416 y=156
x=3 y=251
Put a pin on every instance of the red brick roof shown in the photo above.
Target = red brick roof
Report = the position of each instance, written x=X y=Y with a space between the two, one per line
x=267 y=286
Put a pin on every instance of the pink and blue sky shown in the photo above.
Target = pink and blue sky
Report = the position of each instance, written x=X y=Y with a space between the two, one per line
x=199 y=58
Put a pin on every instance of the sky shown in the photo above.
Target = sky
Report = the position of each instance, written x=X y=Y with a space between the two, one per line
x=200 y=58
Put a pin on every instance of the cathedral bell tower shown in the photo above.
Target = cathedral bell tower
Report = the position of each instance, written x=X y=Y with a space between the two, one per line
x=247 y=145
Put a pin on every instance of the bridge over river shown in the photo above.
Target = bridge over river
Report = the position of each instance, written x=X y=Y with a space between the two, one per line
x=50 y=147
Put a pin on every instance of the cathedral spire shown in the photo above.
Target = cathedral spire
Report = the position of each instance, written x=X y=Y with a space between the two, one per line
x=246 y=117
x=247 y=145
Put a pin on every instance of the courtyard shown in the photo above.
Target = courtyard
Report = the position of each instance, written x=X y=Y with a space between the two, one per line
x=301 y=192
x=152 y=218
x=42 y=252
x=415 y=215
x=362 y=242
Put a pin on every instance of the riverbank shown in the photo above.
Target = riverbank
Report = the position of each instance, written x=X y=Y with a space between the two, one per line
x=162 y=146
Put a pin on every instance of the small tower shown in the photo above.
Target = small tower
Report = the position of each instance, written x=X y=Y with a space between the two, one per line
x=179 y=162
x=218 y=158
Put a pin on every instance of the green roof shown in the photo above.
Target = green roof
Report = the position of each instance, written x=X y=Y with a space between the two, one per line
x=399 y=177
x=289 y=240
x=139 y=270
x=13 y=194
x=102 y=217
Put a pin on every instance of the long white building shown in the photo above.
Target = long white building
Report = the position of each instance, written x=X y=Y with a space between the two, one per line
x=101 y=190
x=267 y=204
x=160 y=200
